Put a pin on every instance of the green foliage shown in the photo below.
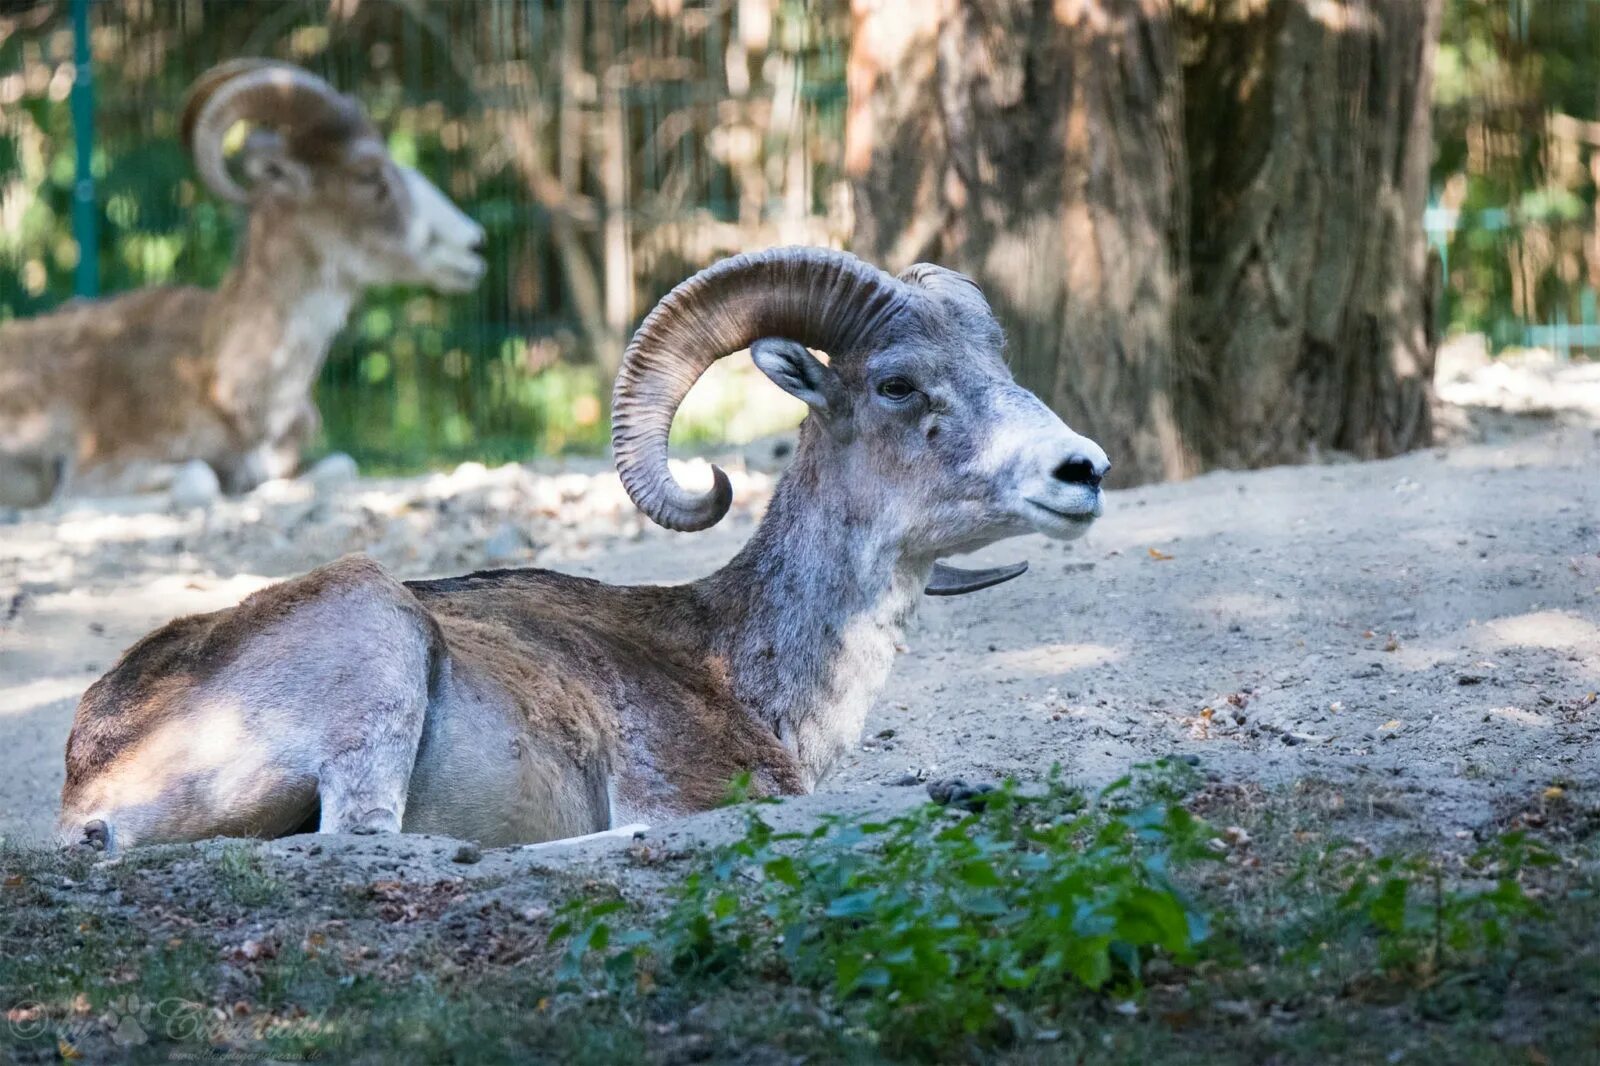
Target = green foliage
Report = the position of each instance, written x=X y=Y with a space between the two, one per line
x=1524 y=185
x=932 y=927
x=1427 y=919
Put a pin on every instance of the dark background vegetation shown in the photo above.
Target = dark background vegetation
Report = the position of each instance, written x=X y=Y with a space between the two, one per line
x=612 y=148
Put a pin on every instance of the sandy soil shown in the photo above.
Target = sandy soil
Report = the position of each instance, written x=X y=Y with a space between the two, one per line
x=1424 y=630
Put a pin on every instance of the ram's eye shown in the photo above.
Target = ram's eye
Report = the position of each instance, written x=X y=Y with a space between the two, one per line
x=896 y=388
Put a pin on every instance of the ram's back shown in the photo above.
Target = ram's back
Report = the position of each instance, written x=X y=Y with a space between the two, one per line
x=117 y=376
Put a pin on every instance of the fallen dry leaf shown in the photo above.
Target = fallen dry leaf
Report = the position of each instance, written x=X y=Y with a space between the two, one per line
x=1159 y=555
x=251 y=950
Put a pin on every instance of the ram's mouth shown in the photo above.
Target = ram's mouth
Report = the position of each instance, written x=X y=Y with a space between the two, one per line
x=1062 y=521
x=459 y=272
x=1072 y=514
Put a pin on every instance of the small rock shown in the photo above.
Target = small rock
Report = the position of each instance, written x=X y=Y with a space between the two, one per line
x=955 y=791
x=1235 y=1008
x=770 y=455
x=467 y=853
x=195 y=485
x=1471 y=679
x=333 y=472
x=508 y=543
x=906 y=781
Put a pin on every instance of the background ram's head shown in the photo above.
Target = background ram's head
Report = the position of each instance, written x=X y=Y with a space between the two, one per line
x=315 y=161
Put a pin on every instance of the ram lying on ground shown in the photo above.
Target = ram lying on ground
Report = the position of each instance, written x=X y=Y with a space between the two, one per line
x=100 y=395
x=525 y=705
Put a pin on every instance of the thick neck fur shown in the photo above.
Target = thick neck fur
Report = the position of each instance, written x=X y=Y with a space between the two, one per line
x=809 y=614
x=272 y=322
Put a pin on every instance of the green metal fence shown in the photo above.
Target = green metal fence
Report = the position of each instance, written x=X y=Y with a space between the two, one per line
x=609 y=148
x=1517 y=171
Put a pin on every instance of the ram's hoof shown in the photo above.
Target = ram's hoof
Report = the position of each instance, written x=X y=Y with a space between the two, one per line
x=96 y=835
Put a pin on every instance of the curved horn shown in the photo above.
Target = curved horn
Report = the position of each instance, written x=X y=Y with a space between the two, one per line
x=267 y=91
x=958 y=290
x=823 y=299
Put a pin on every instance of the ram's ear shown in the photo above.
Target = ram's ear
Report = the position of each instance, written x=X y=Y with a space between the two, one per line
x=802 y=375
x=954 y=581
x=268 y=168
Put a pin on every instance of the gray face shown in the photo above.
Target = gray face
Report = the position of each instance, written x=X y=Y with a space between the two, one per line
x=935 y=432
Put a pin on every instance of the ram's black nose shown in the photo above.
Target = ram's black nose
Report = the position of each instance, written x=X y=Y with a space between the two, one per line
x=1081 y=470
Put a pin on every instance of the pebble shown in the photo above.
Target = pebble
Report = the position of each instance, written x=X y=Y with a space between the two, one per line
x=467 y=854
x=194 y=485
x=508 y=543
x=333 y=472
x=956 y=791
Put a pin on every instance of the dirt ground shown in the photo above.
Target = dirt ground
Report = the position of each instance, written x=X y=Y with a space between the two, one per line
x=1425 y=629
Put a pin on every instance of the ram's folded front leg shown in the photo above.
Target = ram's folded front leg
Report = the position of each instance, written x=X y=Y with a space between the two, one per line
x=363 y=783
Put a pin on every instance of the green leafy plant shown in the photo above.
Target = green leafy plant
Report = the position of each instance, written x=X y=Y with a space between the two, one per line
x=933 y=927
x=1427 y=920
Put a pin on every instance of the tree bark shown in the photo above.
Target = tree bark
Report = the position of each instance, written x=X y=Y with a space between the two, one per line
x=1037 y=147
x=1200 y=225
x=1309 y=133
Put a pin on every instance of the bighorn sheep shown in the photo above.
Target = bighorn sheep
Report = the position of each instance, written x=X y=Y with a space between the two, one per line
x=526 y=705
x=99 y=394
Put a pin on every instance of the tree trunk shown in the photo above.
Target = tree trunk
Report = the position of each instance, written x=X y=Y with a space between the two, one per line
x=1218 y=261
x=1037 y=146
x=1309 y=134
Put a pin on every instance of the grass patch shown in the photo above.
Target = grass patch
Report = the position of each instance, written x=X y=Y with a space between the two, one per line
x=935 y=928
x=1159 y=921
x=246 y=878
